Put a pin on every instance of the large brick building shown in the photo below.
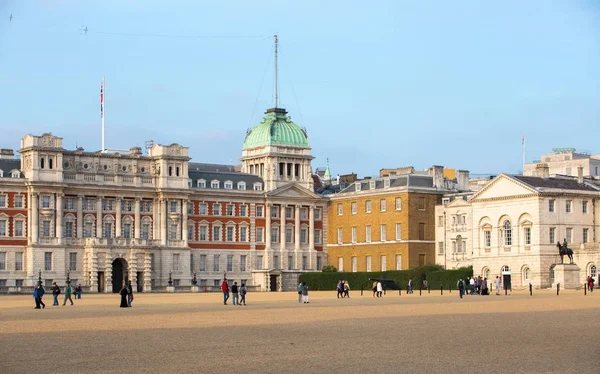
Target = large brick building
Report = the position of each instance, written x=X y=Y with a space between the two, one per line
x=99 y=218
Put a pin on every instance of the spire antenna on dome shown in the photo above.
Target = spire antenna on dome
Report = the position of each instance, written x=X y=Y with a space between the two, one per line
x=276 y=72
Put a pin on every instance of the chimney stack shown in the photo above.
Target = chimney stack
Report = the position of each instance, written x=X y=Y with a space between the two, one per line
x=462 y=180
x=437 y=172
x=542 y=170
x=580 y=174
x=7 y=154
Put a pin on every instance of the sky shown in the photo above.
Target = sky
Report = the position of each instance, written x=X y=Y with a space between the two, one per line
x=377 y=84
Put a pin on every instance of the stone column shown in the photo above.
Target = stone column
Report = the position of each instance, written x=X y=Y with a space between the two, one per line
x=108 y=275
x=163 y=221
x=282 y=253
x=59 y=217
x=133 y=270
x=136 y=224
x=99 y=217
x=35 y=216
x=118 y=201
x=155 y=219
x=311 y=236
x=147 y=273
x=184 y=222
x=79 y=216
x=94 y=272
x=297 y=254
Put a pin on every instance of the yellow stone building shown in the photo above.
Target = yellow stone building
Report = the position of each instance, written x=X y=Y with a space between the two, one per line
x=386 y=223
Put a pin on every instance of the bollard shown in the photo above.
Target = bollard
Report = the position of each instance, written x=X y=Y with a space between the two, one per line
x=399 y=291
x=384 y=292
x=420 y=289
x=361 y=291
x=442 y=289
x=557 y=289
x=505 y=291
x=585 y=289
x=450 y=288
x=530 y=290
x=428 y=289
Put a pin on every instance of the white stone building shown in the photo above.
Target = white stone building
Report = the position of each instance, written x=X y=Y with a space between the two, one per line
x=565 y=161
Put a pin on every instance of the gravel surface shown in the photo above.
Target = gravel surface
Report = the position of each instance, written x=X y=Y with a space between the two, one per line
x=185 y=333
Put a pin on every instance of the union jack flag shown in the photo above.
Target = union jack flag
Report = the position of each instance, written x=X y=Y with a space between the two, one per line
x=102 y=99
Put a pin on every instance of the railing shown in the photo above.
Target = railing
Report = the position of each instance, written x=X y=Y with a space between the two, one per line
x=70 y=177
x=121 y=242
x=176 y=243
x=89 y=177
x=109 y=178
x=73 y=241
x=147 y=180
x=52 y=241
x=127 y=179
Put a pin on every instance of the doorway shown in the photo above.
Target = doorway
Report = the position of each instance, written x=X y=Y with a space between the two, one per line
x=274 y=283
x=100 y=281
x=140 y=281
x=119 y=274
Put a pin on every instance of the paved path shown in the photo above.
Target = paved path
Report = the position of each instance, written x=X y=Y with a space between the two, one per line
x=185 y=333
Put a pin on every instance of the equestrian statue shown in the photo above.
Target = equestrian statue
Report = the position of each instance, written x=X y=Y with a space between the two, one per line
x=563 y=251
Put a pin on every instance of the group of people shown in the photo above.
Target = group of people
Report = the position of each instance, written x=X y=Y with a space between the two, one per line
x=377 y=289
x=39 y=291
x=236 y=292
x=590 y=283
x=302 y=292
x=126 y=294
x=343 y=289
x=477 y=286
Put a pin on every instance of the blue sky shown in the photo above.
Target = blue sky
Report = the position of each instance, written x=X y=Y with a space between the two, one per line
x=376 y=83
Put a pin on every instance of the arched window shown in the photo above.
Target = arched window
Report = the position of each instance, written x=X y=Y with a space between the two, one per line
x=507 y=233
x=526 y=273
x=593 y=271
x=506 y=269
x=485 y=272
x=459 y=248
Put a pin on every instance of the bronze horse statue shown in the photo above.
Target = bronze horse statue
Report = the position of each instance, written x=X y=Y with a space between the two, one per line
x=563 y=251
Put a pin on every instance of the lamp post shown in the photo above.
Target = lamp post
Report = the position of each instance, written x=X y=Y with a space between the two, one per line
x=40 y=276
x=68 y=277
x=170 y=280
x=194 y=281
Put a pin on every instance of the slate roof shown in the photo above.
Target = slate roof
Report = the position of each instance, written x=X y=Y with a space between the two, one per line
x=554 y=183
x=6 y=165
x=197 y=166
x=234 y=177
x=411 y=180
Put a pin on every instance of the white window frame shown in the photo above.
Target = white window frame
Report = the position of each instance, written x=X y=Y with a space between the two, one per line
x=398 y=203
x=398 y=231
x=340 y=235
x=241 y=185
x=353 y=207
x=201 y=183
x=382 y=205
x=383 y=232
x=368 y=233
x=228 y=185
x=354 y=234
x=368 y=206
x=340 y=209
x=215 y=184
x=369 y=263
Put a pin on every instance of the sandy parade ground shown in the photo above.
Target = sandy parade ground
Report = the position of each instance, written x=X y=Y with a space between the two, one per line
x=196 y=333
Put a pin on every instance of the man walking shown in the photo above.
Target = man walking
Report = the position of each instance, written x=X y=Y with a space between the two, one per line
x=234 y=293
x=68 y=292
x=340 y=289
x=472 y=285
x=379 y=289
x=129 y=294
x=41 y=293
x=225 y=289
x=461 y=287
x=36 y=297
x=300 y=292
x=243 y=294
x=497 y=284
x=55 y=292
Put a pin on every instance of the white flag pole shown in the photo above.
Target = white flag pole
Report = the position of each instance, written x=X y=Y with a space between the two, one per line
x=102 y=113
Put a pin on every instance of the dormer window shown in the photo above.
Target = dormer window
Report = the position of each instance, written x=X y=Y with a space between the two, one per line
x=214 y=184
x=228 y=185
x=1 y=173
x=386 y=183
x=372 y=185
x=201 y=183
x=358 y=186
x=257 y=186
x=15 y=174
x=241 y=185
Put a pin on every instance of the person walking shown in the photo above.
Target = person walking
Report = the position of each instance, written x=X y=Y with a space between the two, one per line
x=340 y=289
x=497 y=284
x=409 y=288
x=472 y=285
x=78 y=291
x=41 y=293
x=346 y=289
x=461 y=287
x=55 y=292
x=374 y=288
x=234 y=294
x=123 y=294
x=129 y=294
x=68 y=291
x=305 y=292
x=300 y=292
x=243 y=294
x=379 y=289
x=225 y=289
x=484 y=287
x=36 y=297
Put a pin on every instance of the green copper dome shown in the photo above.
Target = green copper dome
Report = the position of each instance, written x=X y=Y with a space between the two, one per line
x=276 y=128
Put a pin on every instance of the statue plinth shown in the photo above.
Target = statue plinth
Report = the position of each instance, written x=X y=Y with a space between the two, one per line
x=170 y=288
x=567 y=275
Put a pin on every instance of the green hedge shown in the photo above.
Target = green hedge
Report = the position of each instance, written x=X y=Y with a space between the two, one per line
x=434 y=275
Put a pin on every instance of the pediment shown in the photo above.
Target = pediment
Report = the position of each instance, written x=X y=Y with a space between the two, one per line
x=503 y=186
x=456 y=203
x=292 y=190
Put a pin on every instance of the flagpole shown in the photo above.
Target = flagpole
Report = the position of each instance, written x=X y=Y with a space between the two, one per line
x=102 y=111
x=523 y=145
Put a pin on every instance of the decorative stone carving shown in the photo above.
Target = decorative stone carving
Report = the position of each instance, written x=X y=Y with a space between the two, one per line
x=175 y=150
x=48 y=140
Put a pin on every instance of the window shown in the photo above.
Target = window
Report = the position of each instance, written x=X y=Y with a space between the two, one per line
x=145 y=231
x=276 y=262
x=382 y=205
x=19 y=261
x=45 y=201
x=398 y=231
x=243 y=210
x=568 y=206
x=18 y=228
x=230 y=210
x=569 y=235
x=421 y=231
x=372 y=185
x=440 y=221
x=2 y=260
x=190 y=231
x=526 y=273
x=398 y=203
x=340 y=209
x=126 y=205
x=487 y=238
x=506 y=234
x=421 y=204
x=383 y=232
x=126 y=230
x=2 y=201
x=214 y=184
x=398 y=262
x=190 y=208
x=259 y=262
x=3 y=226
x=88 y=229
x=354 y=264
x=274 y=211
x=260 y=235
x=173 y=231
x=216 y=259
x=241 y=185
x=318 y=214
x=45 y=229
x=304 y=214
x=383 y=263
x=340 y=235
x=108 y=205
x=289 y=212
x=73 y=261
x=230 y=232
x=230 y=263
x=216 y=209
x=353 y=207
x=173 y=206
x=243 y=263
x=440 y=248
x=458 y=248
x=527 y=235
x=274 y=234
x=243 y=234
x=18 y=201
x=304 y=262
x=319 y=264
x=203 y=209
x=368 y=262
x=89 y=204
x=201 y=183
x=290 y=262
x=317 y=236
x=216 y=233
x=368 y=234
x=551 y=204
x=584 y=207
x=552 y=235
x=228 y=185
x=203 y=233
x=585 y=235
x=68 y=229
x=353 y=234
x=368 y=206
x=202 y=266
x=48 y=261
x=217 y=282
x=340 y=264
x=259 y=211
x=257 y=187
x=146 y=206
x=304 y=236
x=289 y=234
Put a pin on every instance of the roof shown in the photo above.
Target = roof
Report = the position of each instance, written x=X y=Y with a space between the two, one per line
x=7 y=164
x=412 y=180
x=234 y=177
x=197 y=166
x=553 y=183
x=276 y=128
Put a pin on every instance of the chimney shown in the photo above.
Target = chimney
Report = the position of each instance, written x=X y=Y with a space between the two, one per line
x=135 y=151
x=462 y=180
x=542 y=170
x=7 y=154
x=580 y=174
x=437 y=172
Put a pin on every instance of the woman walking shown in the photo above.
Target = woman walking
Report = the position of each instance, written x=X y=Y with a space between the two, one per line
x=305 y=292
x=123 y=294
x=243 y=294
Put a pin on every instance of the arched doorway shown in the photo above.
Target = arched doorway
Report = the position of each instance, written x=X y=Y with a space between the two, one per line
x=119 y=274
x=506 y=277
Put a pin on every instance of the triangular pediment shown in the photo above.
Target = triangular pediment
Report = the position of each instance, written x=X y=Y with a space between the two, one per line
x=292 y=190
x=456 y=203
x=503 y=186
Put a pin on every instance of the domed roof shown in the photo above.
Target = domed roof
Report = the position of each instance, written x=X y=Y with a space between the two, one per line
x=276 y=128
